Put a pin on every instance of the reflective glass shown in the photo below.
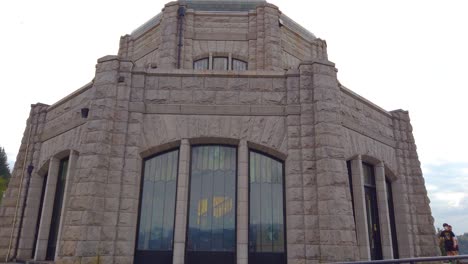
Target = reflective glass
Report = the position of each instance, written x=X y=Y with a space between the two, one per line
x=238 y=65
x=220 y=63
x=266 y=216
x=156 y=228
x=212 y=199
x=201 y=64
x=57 y=210
x=368 y=171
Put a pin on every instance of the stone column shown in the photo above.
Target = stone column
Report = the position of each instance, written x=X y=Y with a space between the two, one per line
x=384 y=216
x=273 y=50
x=252 y=40
x=360 y=211
x=336 y=228
x=72 y=159
x=295 y=219
x=168 y=48
x=32 y=186
x=44 y=228
x=414 y=222
x=242 y=203
x=181 y=203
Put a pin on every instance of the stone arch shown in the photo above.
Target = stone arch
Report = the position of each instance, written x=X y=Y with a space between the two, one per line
x=268 y=150
x=154 y=150
x=266 y=131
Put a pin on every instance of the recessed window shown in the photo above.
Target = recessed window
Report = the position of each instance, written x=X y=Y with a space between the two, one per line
x=57 y=210
x=220 y=63
x=157 y=209
x=211 y=232
x=266 y=213
x=201 y=64
x=238 y=65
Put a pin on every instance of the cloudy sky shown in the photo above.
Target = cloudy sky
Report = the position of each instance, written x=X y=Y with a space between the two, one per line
x=403 y=54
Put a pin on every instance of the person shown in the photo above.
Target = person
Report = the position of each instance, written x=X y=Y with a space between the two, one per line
x=448 y=239
x=455 y=242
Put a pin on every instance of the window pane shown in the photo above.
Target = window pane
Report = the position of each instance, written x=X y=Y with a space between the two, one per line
x=57 y=209
x=156 y=227
x=266 y=221
x=201 y=64
x=212 y=198
x=238 y=65
x=220 y=63
x=368 y=171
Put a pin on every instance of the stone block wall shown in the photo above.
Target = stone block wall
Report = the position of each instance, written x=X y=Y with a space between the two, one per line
x=302 y=116
x=255 y=36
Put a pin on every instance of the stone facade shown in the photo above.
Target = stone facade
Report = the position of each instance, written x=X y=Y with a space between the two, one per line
x=148 y=99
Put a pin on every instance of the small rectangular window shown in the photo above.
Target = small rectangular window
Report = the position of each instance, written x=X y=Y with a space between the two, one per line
x=220 y=63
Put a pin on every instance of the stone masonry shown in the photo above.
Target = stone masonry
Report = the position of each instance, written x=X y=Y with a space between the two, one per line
x=288 y=103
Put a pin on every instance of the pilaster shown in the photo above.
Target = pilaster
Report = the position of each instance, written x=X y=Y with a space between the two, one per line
x=384 y=216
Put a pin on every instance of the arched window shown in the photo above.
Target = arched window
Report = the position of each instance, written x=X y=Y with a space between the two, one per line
x=201 y=64
x=220 y=63
x=157 y=209
x=211 y=232
x=266 y=210
x=238 y=65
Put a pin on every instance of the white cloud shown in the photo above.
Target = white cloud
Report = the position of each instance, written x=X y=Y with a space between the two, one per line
x=453 y=199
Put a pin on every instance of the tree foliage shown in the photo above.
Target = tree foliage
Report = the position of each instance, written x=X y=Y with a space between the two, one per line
x=4 y=172
x=463 y=244
x=4 y=168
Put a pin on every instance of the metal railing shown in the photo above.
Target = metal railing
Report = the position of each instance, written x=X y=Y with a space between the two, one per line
x=452 y=259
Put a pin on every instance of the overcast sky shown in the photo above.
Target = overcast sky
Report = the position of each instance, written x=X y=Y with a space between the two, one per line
x=397 y=53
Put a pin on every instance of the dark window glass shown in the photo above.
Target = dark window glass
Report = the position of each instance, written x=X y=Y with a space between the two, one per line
x=212 y=214
x=220 y=63
x=369 y=178
x=238 y=65
x=201 y=64
x=350 y=178
x=373 y=225
x=57 y=210
x=157 y=210
x=266 y=210
x=391 y=210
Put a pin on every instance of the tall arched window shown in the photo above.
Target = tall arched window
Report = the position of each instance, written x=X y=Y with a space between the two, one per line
x=157 y=209
x=211 y=234
x=266 y=210
x=373 y=225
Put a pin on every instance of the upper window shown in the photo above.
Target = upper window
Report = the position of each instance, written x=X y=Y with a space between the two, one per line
x=220 y=64
x=157 y=208
x=201 y=64
x=238 y=65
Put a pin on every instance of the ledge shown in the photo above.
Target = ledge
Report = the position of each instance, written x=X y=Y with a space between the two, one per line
x=55 y=131
x=365 y=101
x=70 y=96
x=231 y=110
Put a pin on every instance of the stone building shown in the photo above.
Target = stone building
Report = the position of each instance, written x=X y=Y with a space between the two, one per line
x=219 y=133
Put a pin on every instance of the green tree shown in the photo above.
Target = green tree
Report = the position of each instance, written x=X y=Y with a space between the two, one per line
x=463 y=244
x=4 y=172
x=4 y=168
